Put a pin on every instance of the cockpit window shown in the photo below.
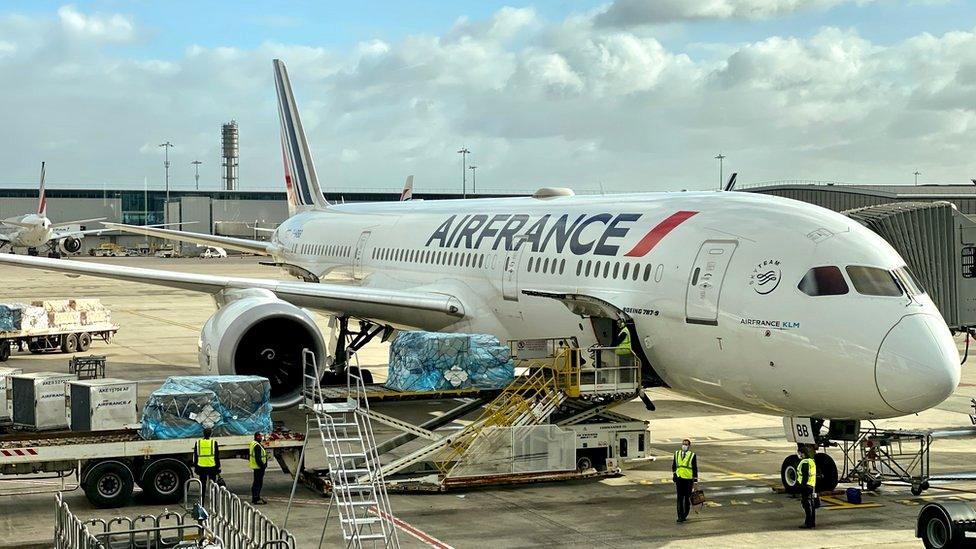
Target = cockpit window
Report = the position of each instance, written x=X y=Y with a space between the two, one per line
x=823 y=281
x=873 y=281
x=909 y=282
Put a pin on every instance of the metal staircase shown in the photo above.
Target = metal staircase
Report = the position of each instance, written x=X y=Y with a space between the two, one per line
x=529 y=402
x=346 y=433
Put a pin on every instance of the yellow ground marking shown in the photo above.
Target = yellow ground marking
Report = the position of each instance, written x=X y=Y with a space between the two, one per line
x=840 y=504
x=739 y=502
x=761 y=500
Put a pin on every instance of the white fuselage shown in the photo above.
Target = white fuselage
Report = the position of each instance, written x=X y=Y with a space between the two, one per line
x=36 y=234
x=739 y=332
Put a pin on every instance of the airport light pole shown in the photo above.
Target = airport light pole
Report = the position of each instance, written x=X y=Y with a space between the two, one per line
x=464 y=152
x=721 y=174
x=196 y=172
x=916 y=174
x=166 y=146
x=474 y=180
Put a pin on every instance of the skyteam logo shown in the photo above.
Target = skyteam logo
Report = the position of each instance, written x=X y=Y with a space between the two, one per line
x=766 y=276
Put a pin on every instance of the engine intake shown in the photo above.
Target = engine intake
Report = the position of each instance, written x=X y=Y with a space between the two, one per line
x=70 y=245
x=258 y=334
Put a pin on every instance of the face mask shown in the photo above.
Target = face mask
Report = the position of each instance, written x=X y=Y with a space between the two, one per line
x=684 y=447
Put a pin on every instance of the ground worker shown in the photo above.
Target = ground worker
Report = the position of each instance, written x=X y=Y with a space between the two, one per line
x=623 y=350
x=807 y=480
x=206 y=458
x=685 y=475
x=257 y=457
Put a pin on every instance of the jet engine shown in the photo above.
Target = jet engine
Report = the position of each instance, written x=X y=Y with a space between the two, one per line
x=70 y=245
x=255 y=333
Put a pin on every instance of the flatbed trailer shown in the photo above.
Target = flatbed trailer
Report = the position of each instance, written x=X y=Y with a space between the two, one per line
x=66 y=339
x=107 y=465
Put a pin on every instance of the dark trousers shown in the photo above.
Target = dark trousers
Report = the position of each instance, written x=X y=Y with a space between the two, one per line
x=257 y=484
x=683 y=487
x=808 y=500
x=206 y=474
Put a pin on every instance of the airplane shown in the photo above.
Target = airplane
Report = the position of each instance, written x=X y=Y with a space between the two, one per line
x=36 y=230
x=748 y=301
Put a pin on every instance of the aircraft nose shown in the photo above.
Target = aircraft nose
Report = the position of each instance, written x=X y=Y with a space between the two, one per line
x=917 y=365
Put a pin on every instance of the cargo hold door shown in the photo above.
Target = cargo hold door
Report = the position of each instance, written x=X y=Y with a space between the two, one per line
x=705 y=281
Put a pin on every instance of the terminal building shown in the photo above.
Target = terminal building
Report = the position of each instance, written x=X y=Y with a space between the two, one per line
x=227 y=213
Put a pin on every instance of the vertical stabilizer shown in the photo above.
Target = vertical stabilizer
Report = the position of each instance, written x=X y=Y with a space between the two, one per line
x=42 y=199
x=301 y=182
x=407 y=193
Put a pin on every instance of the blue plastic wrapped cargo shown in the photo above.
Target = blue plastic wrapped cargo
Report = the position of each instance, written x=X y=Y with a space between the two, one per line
x=10 y=318
x=428 y=361
x=231 y=405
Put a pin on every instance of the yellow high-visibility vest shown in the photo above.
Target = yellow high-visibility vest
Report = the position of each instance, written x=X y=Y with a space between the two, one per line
x=250 y=455
x=624 y=347
x=683 y=468
x=811 y=472
x=205 y=453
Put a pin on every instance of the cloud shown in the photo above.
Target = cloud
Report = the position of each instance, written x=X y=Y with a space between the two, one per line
x=630 y=13
x=540 y=103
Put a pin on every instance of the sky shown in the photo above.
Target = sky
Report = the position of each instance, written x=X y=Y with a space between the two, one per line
x=622 y=95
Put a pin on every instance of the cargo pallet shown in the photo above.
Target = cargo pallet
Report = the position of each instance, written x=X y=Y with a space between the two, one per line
x=559 y=396
x=107 y=465
x=66 y=339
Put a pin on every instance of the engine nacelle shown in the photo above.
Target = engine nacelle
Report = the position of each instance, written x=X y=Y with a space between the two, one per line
x=70 y=245
x=255 y=333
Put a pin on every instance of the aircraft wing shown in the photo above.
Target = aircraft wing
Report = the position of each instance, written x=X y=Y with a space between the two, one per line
x=77 y=222
x=424 y=309
x=241 y=244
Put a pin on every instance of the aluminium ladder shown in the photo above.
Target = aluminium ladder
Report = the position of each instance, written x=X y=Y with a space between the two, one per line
x=346 y=433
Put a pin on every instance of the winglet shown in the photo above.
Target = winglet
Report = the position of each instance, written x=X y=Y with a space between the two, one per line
x=42 y=199
x=407 y=193
x=301 y=183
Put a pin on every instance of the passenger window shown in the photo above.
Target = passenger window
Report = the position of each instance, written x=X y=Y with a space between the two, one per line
x=596 y=269
x=562 y=266
x=606 y=269
x=823 y=281
x=647 y=272
x=636 y=271
x=616 y=269
x=545 y=265
x=873 y=281
x=579 y=267
x=481 y=261
x=626 y=271
x=588 y=264
x=531 y=263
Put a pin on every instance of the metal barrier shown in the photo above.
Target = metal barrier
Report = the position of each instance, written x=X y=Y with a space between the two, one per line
x=578 y=372
x=227 y=523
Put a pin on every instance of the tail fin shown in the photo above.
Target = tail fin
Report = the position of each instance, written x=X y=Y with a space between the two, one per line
x=42 y=199
x=301 y=182
x=407 y=193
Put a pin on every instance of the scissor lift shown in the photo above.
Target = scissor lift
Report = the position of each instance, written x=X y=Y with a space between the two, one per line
x=529 y=431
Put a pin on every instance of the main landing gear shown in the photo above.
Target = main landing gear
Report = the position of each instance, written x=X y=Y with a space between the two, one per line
x=827 y=473
x=348 y=342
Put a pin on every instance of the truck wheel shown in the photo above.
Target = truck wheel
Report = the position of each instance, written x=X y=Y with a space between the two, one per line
x=84 y=341
x=108 y=484
x=69 y=343
x=4 y=350
x=163 y=480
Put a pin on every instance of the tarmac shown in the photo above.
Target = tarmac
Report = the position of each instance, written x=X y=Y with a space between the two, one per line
x=739 y=453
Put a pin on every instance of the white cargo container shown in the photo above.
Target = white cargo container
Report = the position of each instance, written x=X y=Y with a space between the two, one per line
x=5 y=374
x=38 y=400
x=101 y=404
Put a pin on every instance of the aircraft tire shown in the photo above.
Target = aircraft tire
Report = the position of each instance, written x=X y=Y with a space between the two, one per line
x=826 y=472
x=789 y=474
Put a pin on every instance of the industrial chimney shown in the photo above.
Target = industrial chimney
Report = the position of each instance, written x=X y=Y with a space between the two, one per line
x=230 y=154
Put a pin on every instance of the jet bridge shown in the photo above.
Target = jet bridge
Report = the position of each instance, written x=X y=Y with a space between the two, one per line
x=939 y=245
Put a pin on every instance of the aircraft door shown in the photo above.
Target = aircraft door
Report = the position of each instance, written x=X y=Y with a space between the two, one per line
x=358 y=257
x=705 y=282
x=513 y=259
